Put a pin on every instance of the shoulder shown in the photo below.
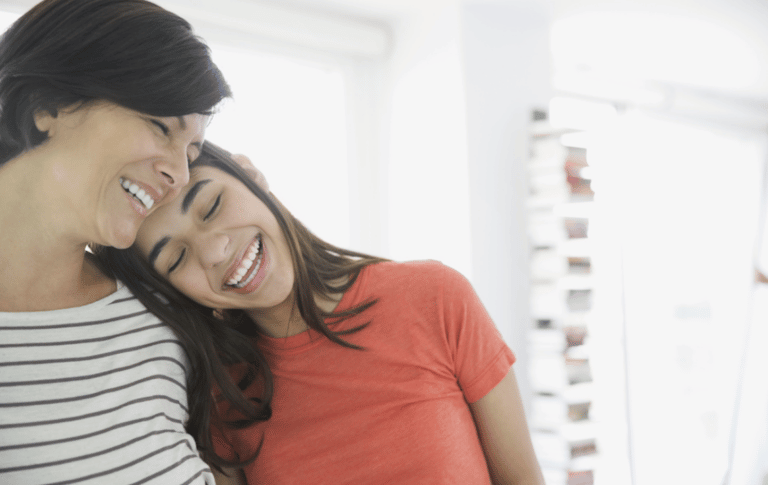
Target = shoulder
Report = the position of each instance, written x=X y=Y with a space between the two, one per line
x=124 y=297
x=392 y=270
x=419 y=276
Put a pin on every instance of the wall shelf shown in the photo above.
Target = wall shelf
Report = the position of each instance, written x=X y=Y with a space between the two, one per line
x=559 y=208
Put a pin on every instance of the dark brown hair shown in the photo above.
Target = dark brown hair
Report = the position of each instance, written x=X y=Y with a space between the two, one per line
x=215 y=341
x=130 y=52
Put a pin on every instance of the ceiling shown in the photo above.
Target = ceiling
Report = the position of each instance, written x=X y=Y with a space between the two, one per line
x=716 y=45
x=639 y=33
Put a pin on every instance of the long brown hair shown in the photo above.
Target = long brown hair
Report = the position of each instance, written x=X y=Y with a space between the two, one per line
x=214 y=340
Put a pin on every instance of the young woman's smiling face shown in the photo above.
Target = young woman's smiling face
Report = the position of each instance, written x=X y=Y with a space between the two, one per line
x=219 y=244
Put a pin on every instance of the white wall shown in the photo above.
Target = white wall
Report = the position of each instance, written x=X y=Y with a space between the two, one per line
x=507 y=72
x=427 y=191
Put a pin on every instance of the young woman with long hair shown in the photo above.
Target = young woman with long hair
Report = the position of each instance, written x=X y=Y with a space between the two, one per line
x=103 y=104
x=362 y=370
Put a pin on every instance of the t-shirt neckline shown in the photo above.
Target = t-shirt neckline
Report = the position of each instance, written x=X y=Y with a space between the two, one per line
x=310 y=337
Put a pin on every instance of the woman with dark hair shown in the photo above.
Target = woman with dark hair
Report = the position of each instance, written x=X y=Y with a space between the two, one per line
x=374 y=371
x=103 y=103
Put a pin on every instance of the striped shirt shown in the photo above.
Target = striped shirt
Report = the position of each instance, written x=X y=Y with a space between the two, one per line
x=94 y=395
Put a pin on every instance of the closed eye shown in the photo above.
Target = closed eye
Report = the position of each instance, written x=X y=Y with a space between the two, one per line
x=178 y=261
x=213 y=208
x=163 y=127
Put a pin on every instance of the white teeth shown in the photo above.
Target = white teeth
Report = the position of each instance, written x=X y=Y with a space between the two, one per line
x=245 y=265
x=138 y=193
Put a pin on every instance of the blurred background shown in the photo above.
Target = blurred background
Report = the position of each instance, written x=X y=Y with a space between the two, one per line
x=596 y=169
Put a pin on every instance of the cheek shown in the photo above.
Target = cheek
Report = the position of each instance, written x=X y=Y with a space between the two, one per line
x=194 y=284
x=122 y=145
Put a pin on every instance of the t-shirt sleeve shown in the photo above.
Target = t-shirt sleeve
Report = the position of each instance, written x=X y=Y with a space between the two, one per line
x=481 y=357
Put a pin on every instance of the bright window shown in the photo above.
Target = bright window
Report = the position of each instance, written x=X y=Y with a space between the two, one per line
x=289 y=117
x=677 y=172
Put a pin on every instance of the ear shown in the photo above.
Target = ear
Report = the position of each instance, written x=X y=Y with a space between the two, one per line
x=258 y=177
x=44 y=120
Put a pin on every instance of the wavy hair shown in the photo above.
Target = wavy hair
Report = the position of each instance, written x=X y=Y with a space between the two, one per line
x=215 y=340
x=133 y=53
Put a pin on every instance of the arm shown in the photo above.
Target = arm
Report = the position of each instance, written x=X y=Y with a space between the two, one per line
x=235 y=477
x=504 y=434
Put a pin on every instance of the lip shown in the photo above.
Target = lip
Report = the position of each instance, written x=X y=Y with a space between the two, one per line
x=137 y=206
x=258 y=277
x=236 y=262
x=148 y=189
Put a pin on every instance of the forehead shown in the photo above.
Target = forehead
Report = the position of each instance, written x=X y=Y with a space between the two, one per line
x=166 y=215
x=194 y=123
x=167 y=219
x=198 y=172
x=189 y=129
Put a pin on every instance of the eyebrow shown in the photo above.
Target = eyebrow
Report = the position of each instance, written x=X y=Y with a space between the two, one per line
x=185 y=204
x=191 y=194
x=156 y=250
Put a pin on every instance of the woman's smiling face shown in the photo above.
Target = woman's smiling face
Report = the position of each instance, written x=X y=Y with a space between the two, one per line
x=112 y=166
x=219 y=244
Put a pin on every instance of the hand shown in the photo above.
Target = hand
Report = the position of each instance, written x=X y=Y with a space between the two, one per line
x=760 y=277
x=257 y=175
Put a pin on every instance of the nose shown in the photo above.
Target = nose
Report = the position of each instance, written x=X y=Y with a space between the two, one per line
x=175 y=171
x=212 y=248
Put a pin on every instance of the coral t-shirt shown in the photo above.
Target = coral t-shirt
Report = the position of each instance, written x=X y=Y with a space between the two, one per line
x=396 y=412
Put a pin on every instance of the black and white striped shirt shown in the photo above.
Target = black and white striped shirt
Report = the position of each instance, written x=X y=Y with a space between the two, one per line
x=94 y=395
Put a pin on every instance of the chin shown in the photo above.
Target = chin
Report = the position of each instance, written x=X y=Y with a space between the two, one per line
x=122 y=240
x=121 y=244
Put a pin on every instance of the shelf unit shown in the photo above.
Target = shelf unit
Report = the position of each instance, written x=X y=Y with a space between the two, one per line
x=559 y=206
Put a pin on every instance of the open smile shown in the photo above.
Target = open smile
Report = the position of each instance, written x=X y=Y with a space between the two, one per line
x=250 y=265
x=137 y=192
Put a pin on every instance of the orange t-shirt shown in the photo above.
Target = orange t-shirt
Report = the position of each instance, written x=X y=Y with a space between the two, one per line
x=395 y=412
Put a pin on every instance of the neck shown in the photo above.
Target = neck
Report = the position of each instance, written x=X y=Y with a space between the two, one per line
x=48 y=269
x=284 y=320
x=280 y=321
